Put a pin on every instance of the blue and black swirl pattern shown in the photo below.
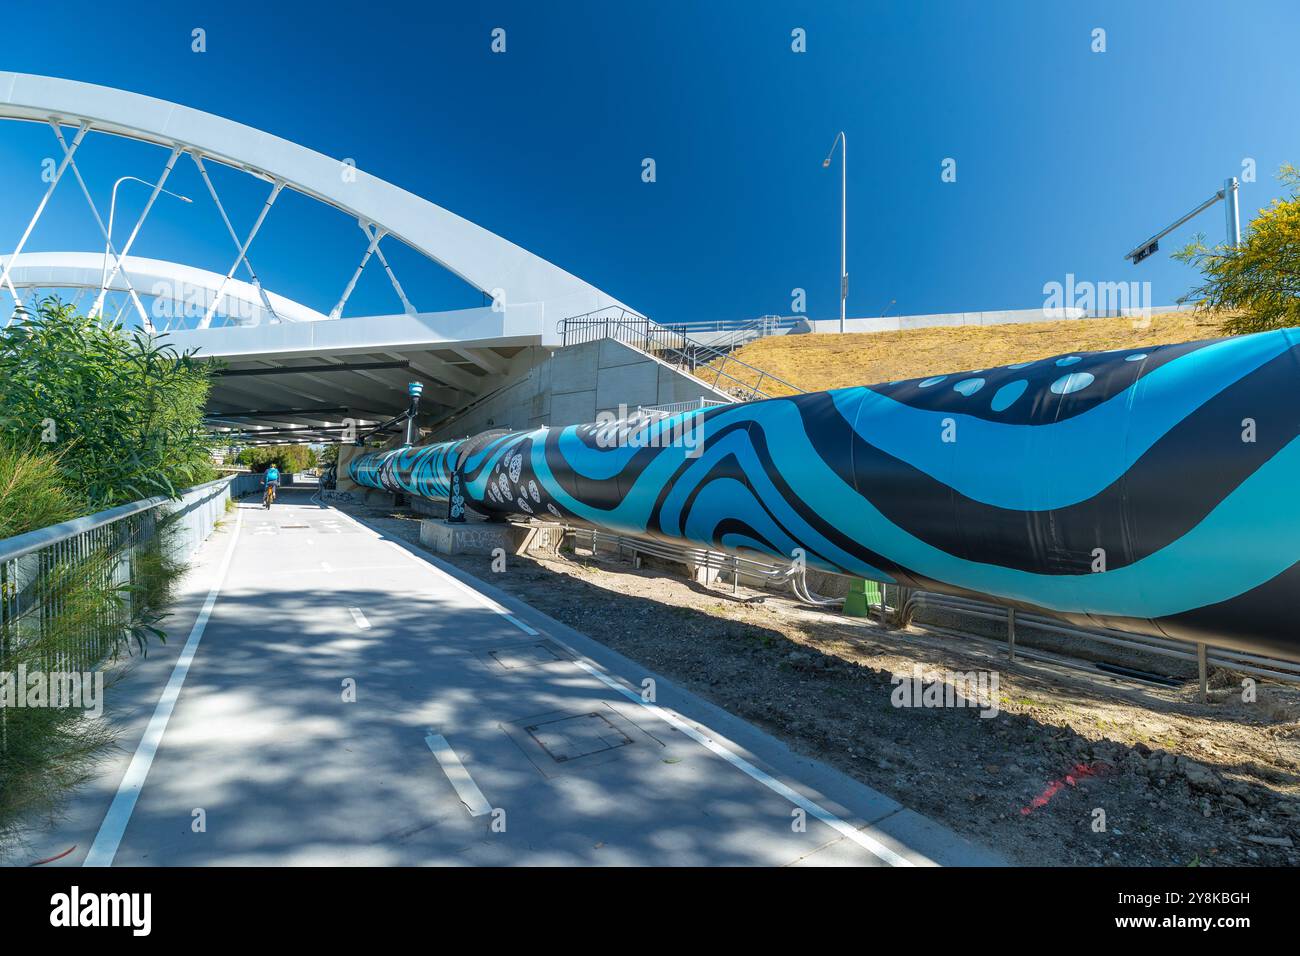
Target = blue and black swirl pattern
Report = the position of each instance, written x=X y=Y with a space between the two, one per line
x=1149 y=489
x=424 y=471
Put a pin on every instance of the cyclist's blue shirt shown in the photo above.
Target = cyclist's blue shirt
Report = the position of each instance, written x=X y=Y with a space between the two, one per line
x=273 y=474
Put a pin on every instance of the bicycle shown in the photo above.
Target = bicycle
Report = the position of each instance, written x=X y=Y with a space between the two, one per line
x=268 y=496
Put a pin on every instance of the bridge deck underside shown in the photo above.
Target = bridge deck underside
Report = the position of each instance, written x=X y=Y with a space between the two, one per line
x=277 y=398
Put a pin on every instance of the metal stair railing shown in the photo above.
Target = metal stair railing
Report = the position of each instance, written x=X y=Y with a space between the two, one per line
x=729 y=374
x=731 y=335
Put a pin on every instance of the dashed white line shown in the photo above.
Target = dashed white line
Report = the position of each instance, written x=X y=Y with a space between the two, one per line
x=464 y=588
x=466 y=788
x=359 y=618
x=461 y=586
x=326 y=566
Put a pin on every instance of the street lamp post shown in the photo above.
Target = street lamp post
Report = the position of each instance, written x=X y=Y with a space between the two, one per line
x=1231 y=214
x=844 y=186
x=108 y=239
x=413 y=413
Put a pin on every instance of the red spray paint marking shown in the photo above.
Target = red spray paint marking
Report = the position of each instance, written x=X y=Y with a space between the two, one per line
x=51 y=859
x=1079 y=771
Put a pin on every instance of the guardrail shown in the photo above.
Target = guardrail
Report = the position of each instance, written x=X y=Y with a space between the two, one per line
x=39 y=570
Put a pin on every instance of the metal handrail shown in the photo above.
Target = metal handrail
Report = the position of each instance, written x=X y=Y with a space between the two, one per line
x=739 y=333
x=459 y=413
x=101 y=551
x=649 y=337
x=23 y=544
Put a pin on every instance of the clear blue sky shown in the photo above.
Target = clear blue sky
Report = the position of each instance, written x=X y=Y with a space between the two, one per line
x=1065 y=158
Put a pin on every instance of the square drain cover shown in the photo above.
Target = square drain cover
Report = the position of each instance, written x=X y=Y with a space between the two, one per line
x=528 y=655
x=571 y=737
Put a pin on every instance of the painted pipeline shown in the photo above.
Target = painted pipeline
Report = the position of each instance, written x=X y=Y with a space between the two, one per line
x=1153 y=490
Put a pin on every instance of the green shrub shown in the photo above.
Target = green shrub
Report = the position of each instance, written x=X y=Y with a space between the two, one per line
x=123 y=410
x=91 y=416
x=290 y=458
x=1255 y=283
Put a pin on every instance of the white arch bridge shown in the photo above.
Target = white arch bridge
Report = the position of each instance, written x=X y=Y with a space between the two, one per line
x=293 y=371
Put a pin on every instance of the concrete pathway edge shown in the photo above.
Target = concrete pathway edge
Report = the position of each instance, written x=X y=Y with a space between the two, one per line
x=834 y=789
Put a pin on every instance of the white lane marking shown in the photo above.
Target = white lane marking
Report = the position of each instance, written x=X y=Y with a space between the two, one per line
x=466 y=788
x=104 y=848
x=461 y=586
x=481 y=598
x=871 y=845
x=359 y=618
x=325 y=566
x=521 y=625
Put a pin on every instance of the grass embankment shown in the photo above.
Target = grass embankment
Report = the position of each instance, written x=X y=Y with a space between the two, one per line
x=815 y=362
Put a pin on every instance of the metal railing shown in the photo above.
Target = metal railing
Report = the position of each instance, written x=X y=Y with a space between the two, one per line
x=771 y=571
x=727 y=335
x=1201 y=654
x=905 y=602
x=723 y=371
x=40 y=569
x=675 y=408
x=457 y=414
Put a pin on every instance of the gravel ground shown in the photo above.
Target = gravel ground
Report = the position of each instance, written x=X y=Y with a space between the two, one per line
x=1072 y=769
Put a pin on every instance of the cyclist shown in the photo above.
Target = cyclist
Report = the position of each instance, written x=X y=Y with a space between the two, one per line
x=271 y=481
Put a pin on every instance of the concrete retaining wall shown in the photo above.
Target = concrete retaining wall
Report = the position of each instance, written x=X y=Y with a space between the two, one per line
x=484 y=537
x=898 y=323
x=576 y=384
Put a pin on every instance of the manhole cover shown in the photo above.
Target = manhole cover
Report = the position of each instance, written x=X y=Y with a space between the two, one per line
x=529 y=655
x=571 y=737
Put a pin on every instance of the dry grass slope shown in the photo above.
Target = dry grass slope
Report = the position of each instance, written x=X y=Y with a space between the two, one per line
x=814 y=362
